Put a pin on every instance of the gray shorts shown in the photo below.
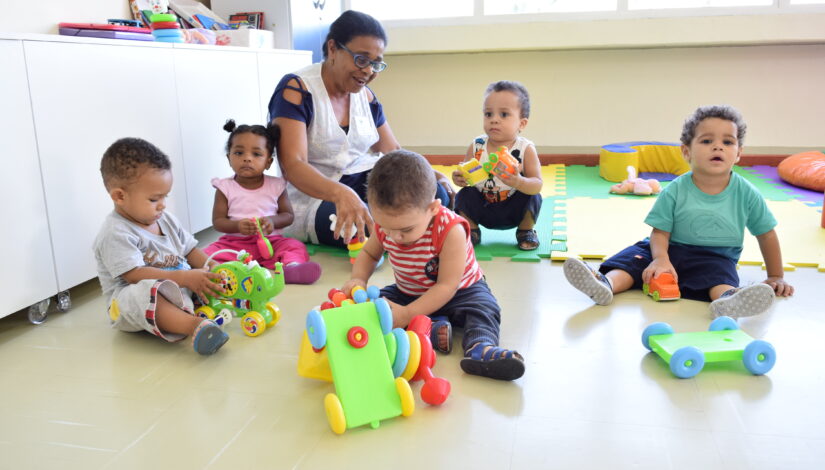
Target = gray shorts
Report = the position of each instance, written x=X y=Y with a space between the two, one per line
x=133 y=307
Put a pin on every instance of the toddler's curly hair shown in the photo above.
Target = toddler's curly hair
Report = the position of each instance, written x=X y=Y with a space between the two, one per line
x=721 y=111
x=123 y=161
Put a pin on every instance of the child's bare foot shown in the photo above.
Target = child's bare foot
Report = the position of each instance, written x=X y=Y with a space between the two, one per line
x=488 y=360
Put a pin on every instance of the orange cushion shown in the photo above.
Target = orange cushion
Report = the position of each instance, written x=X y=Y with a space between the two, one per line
x=806 y=170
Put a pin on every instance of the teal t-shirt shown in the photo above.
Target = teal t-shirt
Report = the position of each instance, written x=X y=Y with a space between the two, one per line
x=716 y=222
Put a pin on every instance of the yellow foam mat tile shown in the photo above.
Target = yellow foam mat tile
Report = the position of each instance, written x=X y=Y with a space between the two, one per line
x=552 y=176
x=800 y=236
x=599 y=228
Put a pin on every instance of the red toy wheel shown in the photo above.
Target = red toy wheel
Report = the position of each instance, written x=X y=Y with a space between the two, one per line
x=357 y=337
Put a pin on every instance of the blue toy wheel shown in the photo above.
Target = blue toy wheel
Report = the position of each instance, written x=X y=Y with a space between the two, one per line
x=658 y=328
x=373 y=292
x=759 y=357
x=316 y=329
x=359 y=296
x=384 y=315
x=687 y=362
x=402 y=352
x=723 y=323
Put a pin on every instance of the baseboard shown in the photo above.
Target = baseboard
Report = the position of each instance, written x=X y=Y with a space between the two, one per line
x=593 y=159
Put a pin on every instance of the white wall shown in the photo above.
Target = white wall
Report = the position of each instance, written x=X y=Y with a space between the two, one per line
x=582 y=99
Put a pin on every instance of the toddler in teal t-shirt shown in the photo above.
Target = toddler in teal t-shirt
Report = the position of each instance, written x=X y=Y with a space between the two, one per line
x=698 y=228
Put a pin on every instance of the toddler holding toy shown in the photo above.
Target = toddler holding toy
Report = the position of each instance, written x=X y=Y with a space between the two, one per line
x=698 y=225
x=145 y=258
x=251 y=195
x=434 y=263
x=505 y=201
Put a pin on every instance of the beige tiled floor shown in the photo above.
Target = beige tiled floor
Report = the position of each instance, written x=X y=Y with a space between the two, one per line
x=76 y=394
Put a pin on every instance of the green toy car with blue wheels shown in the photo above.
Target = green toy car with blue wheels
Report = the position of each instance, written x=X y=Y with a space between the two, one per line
x=687 y=353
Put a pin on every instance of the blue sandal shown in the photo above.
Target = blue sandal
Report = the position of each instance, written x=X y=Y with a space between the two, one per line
x=496 y=363
x=209 y=337
x=438 y=324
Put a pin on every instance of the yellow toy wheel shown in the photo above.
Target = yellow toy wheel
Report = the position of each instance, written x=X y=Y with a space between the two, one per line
x=656 y=296
x=205 y=312
x=275 y=312
x=415 y=356
x=646 y=289
x=335 y=412
x=406 y=395
x=253 y=323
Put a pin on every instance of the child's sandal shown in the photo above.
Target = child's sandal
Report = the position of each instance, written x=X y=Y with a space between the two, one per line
x=475 y=236
x=528 y=240
x=438 y=326
x=496 y=362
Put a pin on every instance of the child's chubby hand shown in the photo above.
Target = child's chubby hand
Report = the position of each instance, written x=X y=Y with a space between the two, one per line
x=514 y=181
x=266 y=225
x=248 y=227
x=202 y=282
x=400 y=315
x=780 y=286
x=458 y=179
x=657 y=267
x=347 y=288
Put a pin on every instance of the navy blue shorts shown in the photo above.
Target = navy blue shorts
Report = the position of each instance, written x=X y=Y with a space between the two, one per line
x=358 y=183
x=496 y=215
x=699 y=269
x=474 y=308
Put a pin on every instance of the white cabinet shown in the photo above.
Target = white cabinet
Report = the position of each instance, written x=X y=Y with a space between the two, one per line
x=63 y=101
x=272 y=66
x=28 y=274
x=84 y=97
x=213 y=86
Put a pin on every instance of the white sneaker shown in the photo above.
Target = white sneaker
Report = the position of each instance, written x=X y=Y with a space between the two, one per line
x=586 y=279
x=743 y=302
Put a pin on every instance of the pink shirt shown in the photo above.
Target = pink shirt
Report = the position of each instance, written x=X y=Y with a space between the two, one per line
x=416 y=265
x=247 y=203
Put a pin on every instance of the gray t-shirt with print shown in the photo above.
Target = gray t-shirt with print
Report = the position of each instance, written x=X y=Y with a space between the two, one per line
x=121 y=246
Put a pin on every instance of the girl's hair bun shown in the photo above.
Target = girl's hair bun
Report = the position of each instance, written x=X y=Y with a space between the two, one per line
x=229 y=126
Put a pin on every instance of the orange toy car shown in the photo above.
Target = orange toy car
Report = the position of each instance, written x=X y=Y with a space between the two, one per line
x=663 y=288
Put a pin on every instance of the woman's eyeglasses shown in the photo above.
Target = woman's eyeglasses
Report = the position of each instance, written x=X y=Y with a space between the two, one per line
x=362 y=61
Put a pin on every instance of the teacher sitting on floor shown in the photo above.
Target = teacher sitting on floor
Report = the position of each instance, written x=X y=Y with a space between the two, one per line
x=333 y=130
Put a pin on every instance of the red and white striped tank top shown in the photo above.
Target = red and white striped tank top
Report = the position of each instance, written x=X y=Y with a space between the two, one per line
x=416 y=265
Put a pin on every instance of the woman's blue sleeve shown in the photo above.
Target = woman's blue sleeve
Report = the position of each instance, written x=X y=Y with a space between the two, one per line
x=280 y=107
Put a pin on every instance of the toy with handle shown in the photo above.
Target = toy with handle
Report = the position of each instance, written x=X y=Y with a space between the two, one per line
x=248 y=292
x=435 y=389
x=264 y=245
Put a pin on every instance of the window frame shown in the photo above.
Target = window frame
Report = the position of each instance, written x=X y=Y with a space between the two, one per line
x=779 y=7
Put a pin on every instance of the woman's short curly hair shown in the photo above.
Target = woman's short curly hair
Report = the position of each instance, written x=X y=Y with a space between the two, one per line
x=123 y=161
x=401 y=179
x=721 y=111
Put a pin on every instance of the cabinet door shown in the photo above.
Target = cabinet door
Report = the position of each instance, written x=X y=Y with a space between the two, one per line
x=272 y=66
x=84 y=97
x=212 y=86
x=28 y=274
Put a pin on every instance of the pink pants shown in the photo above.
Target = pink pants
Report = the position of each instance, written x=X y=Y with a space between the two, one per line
x=287 y=250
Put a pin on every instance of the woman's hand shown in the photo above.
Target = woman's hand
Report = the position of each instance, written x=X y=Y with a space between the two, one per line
x=349 y=210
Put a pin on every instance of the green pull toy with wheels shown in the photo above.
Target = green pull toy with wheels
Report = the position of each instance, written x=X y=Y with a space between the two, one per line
x=248 y=292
